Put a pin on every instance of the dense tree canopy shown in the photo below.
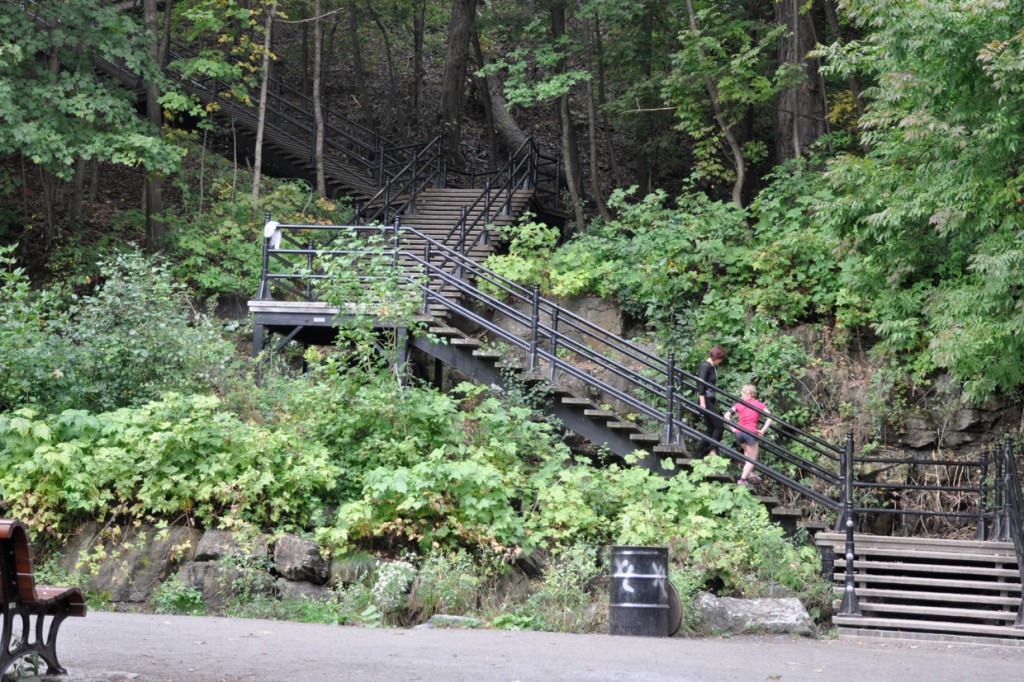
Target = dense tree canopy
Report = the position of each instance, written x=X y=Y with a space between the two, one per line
x=905 y=118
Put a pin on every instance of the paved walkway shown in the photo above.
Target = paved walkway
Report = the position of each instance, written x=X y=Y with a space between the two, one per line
x=111 y=647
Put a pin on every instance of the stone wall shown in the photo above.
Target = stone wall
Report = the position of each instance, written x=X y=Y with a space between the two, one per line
x=125 y=565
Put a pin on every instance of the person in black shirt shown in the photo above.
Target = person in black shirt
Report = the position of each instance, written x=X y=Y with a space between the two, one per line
x=707 y=395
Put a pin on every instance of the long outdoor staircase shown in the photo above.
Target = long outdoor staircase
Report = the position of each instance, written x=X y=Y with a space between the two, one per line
x=440 y=224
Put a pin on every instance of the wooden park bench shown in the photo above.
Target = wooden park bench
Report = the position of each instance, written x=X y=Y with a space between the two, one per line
x=23 y=599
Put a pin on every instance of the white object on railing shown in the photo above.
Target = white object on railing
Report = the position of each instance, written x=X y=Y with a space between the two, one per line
x=272 y=231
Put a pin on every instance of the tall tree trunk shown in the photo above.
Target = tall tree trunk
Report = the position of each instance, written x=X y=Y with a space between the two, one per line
x=570 y=146
x=456 y=60
x=730 y=137
x=318 y=105
x=261 y=112
x=156 y=228
x=595 y=176
x=419 y=29
x=485 y=96
x=509 y=133
x=358 y=71
x=800 y=111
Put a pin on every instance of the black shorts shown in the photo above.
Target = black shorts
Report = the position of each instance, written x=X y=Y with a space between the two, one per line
x=744 y=438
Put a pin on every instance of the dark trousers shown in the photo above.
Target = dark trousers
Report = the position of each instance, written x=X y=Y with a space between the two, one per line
x=713 y=428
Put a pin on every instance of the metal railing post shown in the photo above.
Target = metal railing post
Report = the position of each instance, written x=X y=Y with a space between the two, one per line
x=850 y=605
x=309 y=268
x=487 y=200
x=462 y=232
x=999 y=506
x=670 y=400
x=395 y=242
x=534 y=328
x=1009 y=476
x=415 y=164
x=979 y=533
x=507 y=208
x=554 y=346
x=380 y=161
x=426 y=289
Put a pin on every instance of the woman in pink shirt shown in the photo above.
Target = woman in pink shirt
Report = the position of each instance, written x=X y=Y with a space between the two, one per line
x=748 y=418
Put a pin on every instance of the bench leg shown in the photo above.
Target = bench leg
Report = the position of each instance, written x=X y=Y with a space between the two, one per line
x=11 y=652
x=47 y=647
x=6 y=659
x=27 y=644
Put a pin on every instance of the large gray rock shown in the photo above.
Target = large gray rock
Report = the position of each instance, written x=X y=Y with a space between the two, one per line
x=133 y=561
x=727 y=615
x=300 y=560
x=218 y=544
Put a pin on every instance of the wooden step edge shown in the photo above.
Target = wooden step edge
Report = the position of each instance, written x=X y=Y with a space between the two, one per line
x=932 y=554
x=923 y=581
x=643 y=437
x=934 y=626
x=924 y=596
x=983 y=546
x=943 y=612
x=600 y=413
x=861 y=565
x=573 y=400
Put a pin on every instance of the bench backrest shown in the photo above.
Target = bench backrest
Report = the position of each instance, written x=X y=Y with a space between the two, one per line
x=16 y=574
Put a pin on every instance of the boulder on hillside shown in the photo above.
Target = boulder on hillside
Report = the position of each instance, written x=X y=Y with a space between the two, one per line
x=727 y=615
x=300 y=560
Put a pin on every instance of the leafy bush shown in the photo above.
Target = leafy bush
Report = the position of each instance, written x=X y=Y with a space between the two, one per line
x=177 y=456
x=175 y=597
x=132 y=339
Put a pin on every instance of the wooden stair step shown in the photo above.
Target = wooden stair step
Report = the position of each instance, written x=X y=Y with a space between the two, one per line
x=644 y=437
x=872 y=551
x=620 y=425
x=942 y=612
x=573 y=400
x=600 y=413
x=943 y=545
x=465 y=342
x=924 y=596
x=670 y=448
x=861 y=565
x=937 y=583
x=929 y=626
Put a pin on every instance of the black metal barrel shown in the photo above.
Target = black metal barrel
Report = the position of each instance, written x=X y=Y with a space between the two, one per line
x=639 y=603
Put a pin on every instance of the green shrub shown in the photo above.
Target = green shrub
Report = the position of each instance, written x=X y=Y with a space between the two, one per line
x=175 y=597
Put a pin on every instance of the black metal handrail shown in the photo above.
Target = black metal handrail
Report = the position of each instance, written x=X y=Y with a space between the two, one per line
x=555 y=331
x=1013 y=516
